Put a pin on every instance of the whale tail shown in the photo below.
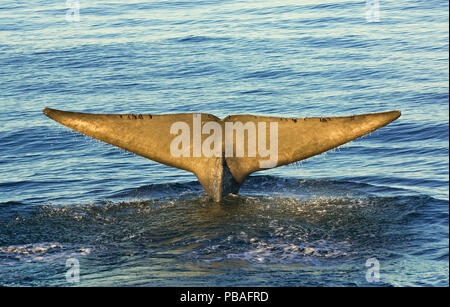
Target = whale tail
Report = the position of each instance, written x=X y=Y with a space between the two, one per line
x=222 y=152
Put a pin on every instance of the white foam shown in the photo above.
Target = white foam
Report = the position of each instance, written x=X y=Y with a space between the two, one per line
x=47 y=251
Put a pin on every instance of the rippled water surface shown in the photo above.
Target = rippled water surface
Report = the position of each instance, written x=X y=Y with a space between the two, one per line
x=131 y=221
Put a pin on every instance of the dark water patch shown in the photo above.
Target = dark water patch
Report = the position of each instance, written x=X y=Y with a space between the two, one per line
x=270 y=74
x=415 y=149
x=243 y=231
x=161 y=190
x=256 y=92
x=28 y=140
x=413 y=131
x=351 y=41
x=200 y=39
x=167 y=5
x=324 y=6
x=304 y=188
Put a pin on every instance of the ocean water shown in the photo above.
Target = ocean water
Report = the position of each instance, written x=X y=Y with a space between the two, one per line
x=130 y=221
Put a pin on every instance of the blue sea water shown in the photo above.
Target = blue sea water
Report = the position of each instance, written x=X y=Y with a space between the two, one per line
x=131 y=221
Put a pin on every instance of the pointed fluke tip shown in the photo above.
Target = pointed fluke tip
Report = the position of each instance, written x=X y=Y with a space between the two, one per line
x=389 y=116
x=54 y=114
x=384 y=118
x=59 y=116
x=395 y=114
x=48 y=112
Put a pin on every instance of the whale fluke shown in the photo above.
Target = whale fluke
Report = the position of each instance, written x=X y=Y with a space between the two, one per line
x=222 y=152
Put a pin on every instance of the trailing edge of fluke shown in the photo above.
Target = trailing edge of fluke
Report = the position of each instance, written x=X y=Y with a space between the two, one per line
x=221 y=173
